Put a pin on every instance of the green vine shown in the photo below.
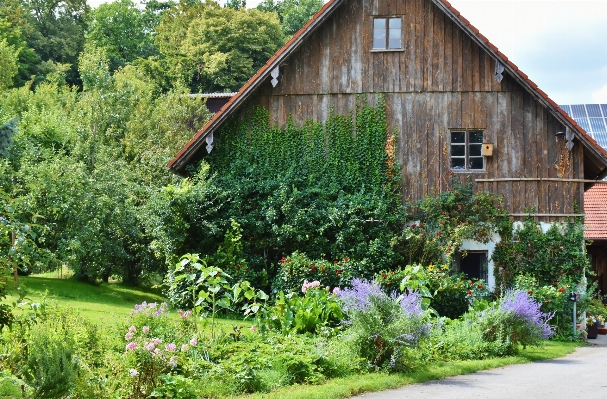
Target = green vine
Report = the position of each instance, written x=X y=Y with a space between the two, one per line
x=328 y=190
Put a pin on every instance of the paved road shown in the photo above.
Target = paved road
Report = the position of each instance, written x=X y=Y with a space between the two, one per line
x=582 y=374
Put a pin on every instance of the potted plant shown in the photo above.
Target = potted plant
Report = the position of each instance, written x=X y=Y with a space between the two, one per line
x=592 y=325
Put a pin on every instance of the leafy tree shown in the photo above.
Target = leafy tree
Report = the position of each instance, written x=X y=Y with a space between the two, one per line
x=125 y=31
x=293 y=14
x=27 y=59
x=8 y=64
x=58 y=32
x=209 y=48
x=6 y=137
x=228 y=46
x=237 y=4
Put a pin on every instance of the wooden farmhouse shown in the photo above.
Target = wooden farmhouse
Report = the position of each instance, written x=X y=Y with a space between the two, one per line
x=458 y=104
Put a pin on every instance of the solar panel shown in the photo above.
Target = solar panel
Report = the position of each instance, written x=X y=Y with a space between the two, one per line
x=604 y=108
x=578 y=111
x=597 y=125
x=601 y=138
x=566 y=108
x=593 y=110
x=583 y=122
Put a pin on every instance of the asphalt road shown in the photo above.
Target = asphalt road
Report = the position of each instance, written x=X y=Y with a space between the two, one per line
x=582 y=374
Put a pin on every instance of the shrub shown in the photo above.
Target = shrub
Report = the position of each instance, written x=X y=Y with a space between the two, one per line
x=450 y=293
x=515 y=319
x=460 y=340
x=296 y=268
x=309 y=313
x=384 y=329
x=51 y=367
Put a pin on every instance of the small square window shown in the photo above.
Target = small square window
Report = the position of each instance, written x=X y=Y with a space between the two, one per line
x=387 y=33
x=466 y=150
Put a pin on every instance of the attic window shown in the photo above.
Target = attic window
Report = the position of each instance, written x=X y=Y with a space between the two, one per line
x=387 y=33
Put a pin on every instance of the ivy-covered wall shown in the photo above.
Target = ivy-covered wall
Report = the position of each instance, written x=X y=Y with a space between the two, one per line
x=328 y=190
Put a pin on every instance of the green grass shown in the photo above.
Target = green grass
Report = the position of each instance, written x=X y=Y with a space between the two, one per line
x=95 y=302
x=105 y=304
x=358 y=384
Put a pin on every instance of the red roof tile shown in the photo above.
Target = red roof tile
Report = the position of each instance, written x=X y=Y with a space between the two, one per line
x=595 y=207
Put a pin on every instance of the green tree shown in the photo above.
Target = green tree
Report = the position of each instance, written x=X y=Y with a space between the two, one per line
x=293 y=14
x=228 y=46
x=8 y=64
x=209 y=48
x=124 y=30
x=58 y=32
x=27 y=59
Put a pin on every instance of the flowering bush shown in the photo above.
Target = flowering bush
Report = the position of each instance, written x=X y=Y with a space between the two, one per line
x=450 y=293
x=553 y=299
x=384 y=329
x=155 y=345
x=293 y=270
x=515 y=319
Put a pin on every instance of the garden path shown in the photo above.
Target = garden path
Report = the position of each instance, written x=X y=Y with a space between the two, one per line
x=582 y=374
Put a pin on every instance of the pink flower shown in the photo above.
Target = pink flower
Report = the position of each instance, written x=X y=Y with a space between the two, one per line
x=134 y=373
x=131 y=346
x=150 y=346
x=173 y=361
x=184 y=347
x=254 y=329
x=128 y=336
x=146 y=329
x=170 y=347
x=132 y=329
x=156 y=341
x=193 y=342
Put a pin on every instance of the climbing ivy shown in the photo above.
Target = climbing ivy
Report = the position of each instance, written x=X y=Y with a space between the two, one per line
x=327 y=190
x=547 y=257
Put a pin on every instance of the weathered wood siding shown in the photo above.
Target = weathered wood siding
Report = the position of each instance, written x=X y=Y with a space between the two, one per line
x=442 y=80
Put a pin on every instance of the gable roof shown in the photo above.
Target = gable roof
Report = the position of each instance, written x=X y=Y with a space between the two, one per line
x=595 y=208
x=178 y=163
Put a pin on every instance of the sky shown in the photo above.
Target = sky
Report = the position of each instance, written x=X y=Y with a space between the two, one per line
x=560 y=44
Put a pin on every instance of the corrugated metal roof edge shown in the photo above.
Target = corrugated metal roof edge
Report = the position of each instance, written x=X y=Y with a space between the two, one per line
x=187 y=151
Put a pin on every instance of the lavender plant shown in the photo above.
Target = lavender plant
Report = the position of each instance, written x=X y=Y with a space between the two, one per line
x=385 y=329
x=516 y=319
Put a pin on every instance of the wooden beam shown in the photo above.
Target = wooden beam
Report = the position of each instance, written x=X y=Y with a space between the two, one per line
x=549 y=214
x=504 y=179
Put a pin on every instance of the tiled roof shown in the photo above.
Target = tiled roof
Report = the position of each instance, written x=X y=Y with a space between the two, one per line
x=595 y=207
x=183 y=156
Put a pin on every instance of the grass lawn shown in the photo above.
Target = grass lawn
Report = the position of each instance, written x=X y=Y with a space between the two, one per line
x=105 y=304
x=358 y=384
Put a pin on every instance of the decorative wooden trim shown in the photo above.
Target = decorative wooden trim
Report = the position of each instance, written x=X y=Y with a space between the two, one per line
x=549 y=214
x=539 y=179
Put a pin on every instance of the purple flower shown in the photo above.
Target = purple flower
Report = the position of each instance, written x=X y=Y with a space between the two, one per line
x=131 y=346
x=410 y=303
x=359 y=296
x=170 y=347
x=527 y=308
